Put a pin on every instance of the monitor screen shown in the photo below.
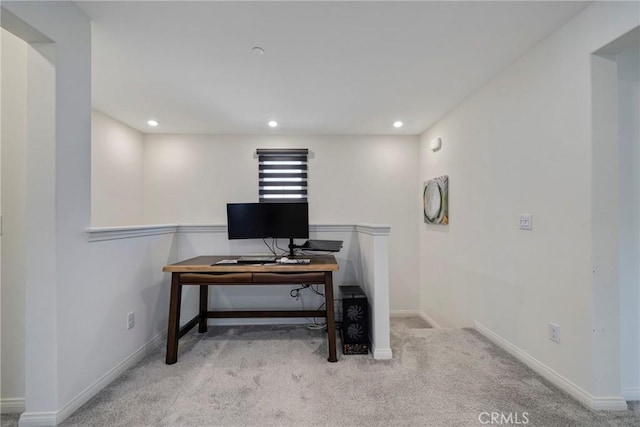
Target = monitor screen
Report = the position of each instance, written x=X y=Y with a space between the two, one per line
x=262 y=220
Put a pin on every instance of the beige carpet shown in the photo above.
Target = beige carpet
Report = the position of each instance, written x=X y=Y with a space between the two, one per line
x=279 y=376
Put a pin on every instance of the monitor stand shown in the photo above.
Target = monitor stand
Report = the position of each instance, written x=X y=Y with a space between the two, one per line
x=292 y=246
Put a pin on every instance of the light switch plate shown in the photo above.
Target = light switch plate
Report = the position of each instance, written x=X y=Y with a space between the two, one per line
x=526 y=222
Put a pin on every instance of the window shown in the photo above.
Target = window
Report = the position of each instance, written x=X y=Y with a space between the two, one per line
x=282 y=174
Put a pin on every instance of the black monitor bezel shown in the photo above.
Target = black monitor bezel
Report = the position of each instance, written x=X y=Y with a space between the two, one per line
x=263 y=231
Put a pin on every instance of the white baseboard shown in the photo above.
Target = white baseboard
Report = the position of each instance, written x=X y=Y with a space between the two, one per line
x=430 y=321
x=107 y=378
x=42 y=419
x=256 y=321
x=631 y=393
x=608 y=403
x=404 y=313
x=38 y=419
x=418 y=313
x=12 y=405
x=381 y=353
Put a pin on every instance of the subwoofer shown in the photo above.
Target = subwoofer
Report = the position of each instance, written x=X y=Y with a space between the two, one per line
x=355 y=320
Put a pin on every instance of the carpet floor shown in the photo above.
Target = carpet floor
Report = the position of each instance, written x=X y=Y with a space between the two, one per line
x=279 y=376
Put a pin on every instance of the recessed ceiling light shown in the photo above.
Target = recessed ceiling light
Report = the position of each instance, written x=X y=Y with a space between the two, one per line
x=152 y=122
x=273 y=123
x=258 y=51
x=398 y=124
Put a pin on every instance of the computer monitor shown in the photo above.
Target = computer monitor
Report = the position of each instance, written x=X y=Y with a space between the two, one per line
x=263 y=220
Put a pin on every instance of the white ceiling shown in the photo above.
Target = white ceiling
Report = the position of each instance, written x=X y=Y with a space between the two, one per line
x=328 y=67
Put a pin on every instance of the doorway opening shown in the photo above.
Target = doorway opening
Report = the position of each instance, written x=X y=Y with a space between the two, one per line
x=27 y=200
x=616 y=208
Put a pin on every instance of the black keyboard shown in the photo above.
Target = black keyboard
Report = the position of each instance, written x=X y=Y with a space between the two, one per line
x=256 y=259
x=294 y=261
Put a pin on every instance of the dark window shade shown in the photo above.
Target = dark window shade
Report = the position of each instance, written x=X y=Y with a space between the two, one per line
x=282 y=175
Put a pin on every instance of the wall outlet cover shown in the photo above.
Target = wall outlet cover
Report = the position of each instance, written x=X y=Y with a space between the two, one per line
x=131 y=320
x=554 y=332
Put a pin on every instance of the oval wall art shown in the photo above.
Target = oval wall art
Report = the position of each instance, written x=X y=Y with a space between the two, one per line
x=435 y=199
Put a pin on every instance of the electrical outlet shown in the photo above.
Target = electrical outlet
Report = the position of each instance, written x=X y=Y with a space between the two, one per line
x=554 y=332
x=131 y=320
x=525 y=222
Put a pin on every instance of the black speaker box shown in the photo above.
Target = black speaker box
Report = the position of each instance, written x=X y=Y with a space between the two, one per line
x=355 y=320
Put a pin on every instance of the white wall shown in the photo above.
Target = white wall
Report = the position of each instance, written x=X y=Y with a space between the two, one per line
x=522 y=144
x=628 y=70
x=78 y=297
x=14 y=175
x=116 y=172
x=188 y=179
x=375 y=280
x=605 y=223
x=76 y=301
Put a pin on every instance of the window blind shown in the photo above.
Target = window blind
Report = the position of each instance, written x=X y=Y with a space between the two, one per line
x=282 y=174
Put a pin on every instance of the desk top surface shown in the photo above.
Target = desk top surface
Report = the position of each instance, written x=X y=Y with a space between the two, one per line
x=208 y=264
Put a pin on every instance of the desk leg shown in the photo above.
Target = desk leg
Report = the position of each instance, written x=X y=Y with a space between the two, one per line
x=331 y=323
x=204 y=307
x=173 y=331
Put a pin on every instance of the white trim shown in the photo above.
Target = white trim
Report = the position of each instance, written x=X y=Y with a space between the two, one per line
x=404 y=313
x=256 y=321
x=381 y=353
x=373 y=230
x=418 y=313
x=222 y=228
x=202 y=228
x=38 y=419
x=107 y=378
x=99 y=234
x=631 y=393
x=608 y=403
x=430 y=321
x=12 y=405
x=329 y=228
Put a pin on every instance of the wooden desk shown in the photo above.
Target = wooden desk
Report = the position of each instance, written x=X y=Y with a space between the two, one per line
x=204 y=272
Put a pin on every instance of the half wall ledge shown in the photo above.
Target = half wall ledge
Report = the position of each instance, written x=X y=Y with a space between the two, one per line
x=372 y=262
x=98 y=234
